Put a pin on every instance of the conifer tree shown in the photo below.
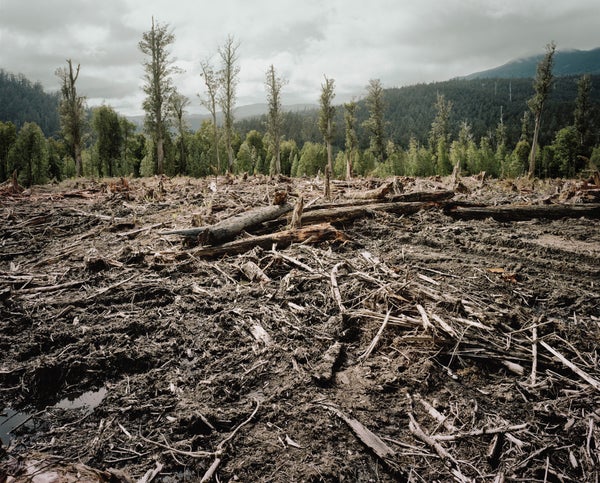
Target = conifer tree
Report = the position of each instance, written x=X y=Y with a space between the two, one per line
x=228 y=77
x=541 y=85
x=211 y=81
x=375 y=123
x=158 y=85
x=582 y=115
x=274 y=84
x=326 y=114
x=351 y=136
x=72 y=112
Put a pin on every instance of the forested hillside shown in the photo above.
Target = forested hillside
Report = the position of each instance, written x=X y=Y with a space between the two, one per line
x=482 y=103
x=23 y=101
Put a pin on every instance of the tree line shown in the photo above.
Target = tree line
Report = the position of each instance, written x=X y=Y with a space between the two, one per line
x=383 y=134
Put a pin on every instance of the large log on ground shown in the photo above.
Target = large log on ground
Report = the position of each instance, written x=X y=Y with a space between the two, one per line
x=307 y=234
x=347 y=213
x=523 y=212
x=374 y=194
x=230 y=228
x=438 y=195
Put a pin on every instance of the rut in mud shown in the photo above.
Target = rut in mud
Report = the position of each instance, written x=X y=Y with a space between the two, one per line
x=416 y=347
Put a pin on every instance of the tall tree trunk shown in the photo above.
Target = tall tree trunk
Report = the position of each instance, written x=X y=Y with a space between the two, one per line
x=160 y=155
x=277 y=158
x=534 y=142
x=78 y=160
x=229 y=153
x=216 y=141
x=349 y=166
x=329 y=153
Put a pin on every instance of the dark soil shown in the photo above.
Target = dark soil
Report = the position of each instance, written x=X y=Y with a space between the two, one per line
x=185 y=362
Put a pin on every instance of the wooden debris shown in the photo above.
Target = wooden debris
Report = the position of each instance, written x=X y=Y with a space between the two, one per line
x=374 y=194
x=260 y=334
x=324 y=371
x=349 y=213
x=582 y=374
x=335 y=289
x=375 y=340
x=230 y=228
x=434 y=413
x=438 y=195
x=418 y=432
x=253 y=272
x=297 y=213
x=366 y=436
x=523 y=212
x=308 y=234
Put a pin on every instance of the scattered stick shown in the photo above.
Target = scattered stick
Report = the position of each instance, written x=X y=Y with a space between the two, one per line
x=448 y=459
x=584 y=375
x=220 y=447
x=370 y=439
x=426 y=323
x=335 y=288
x=480 y=432
x=533 y=355
x=435 y=414
x=132 y=233
x=110 y=287
x=50 y=288
x=206 y=454
x=151 y=474
x=418 y=432
x=375 y=340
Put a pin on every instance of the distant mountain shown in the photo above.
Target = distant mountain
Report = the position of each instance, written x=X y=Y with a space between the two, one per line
x=241 y=112
x=566 y=63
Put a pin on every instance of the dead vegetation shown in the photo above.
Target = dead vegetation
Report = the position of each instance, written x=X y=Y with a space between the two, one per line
x=404 y=331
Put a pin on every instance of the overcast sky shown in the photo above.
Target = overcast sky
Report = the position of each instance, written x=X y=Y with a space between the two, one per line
x=400 y=42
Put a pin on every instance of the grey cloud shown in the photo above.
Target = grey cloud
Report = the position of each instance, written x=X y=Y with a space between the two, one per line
x=399 y=42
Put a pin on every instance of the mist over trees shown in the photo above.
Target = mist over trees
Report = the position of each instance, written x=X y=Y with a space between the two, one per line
x=491 y=125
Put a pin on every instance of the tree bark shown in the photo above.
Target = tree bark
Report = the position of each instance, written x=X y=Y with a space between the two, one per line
x=229 y=228
x=524 y=212
x=536 y=130
x=348 y=213
x=312 y=233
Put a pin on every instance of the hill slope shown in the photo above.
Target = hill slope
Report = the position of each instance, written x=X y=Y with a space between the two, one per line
x=22 y=101
x=566 y=63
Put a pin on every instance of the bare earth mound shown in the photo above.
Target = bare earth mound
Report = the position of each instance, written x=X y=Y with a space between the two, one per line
x=439 y=337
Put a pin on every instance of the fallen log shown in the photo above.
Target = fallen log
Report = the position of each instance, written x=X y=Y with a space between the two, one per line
x=348 y=213
x=438 y=195
x=523 y=212
x=307 y=234
x=229 y=228
x=374 y=194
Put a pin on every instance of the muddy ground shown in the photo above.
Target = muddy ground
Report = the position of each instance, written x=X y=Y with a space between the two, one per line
x=418 y=348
